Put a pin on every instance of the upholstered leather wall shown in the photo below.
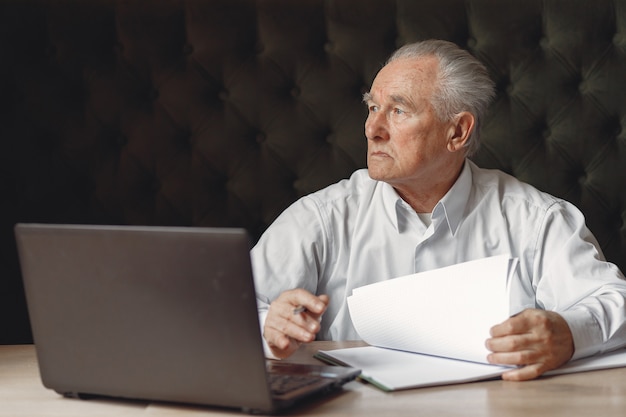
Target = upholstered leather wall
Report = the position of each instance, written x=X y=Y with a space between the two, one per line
x=222 y=112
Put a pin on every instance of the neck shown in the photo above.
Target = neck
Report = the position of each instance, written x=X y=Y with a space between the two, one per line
x=422 y=196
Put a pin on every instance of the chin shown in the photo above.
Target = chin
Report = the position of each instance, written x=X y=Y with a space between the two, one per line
x=375 y=174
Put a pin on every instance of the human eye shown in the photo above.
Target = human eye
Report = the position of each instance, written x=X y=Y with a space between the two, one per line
x=372 y=108
x=398 y=111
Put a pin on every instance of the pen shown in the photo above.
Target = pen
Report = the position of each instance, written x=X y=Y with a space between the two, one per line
x=299 y=309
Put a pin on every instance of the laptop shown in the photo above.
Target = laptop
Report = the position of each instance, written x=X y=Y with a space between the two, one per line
x=155 y=313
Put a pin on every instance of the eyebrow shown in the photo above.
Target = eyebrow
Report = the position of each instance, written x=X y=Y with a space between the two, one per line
x=394 y=98
x=400 y=100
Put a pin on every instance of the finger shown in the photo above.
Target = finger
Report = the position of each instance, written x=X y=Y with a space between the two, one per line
x=297 y=327
x=324 y=298
x=513 y=325
x=511 y=343
x=281 y=345
x=315 y=312
x=524 y=373
x=517 y=358
x=315 y=305
x=302 y=300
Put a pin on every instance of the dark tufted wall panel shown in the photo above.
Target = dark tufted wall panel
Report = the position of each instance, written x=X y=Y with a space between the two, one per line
x=222 y=112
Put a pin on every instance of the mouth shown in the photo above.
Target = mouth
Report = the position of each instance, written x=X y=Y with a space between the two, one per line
x=379 y=154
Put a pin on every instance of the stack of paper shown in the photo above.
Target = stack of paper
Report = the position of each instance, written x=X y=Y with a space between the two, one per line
x=430 y=328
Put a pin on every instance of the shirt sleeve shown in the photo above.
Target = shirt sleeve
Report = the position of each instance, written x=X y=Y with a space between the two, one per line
x=290 y=254
x=573 y=278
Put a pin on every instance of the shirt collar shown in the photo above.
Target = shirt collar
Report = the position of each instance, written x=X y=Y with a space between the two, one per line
x=450 y=207
x=392 y=203
x=453 y=203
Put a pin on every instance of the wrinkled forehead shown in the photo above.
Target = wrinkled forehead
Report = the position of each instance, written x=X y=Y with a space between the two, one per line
x=412 y=78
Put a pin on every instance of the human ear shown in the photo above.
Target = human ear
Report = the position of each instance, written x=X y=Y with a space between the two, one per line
x=460 y=130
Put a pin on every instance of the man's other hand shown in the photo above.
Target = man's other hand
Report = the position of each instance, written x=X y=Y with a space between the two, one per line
x=535 y=340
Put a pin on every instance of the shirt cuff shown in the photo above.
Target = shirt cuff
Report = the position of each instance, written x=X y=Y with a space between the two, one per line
x=266 y=349
x=585 y=331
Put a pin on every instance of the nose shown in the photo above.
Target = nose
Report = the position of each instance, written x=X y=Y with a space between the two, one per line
x=376 y=127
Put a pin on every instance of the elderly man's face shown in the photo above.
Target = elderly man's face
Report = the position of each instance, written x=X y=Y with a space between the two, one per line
x=407 y=143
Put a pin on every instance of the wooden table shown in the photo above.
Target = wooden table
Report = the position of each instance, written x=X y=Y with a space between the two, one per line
x=595 y=394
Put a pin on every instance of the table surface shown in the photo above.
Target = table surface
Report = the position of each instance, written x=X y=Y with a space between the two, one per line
x=596 y=393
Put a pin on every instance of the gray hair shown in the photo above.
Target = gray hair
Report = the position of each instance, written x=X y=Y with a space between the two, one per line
x=463 y=83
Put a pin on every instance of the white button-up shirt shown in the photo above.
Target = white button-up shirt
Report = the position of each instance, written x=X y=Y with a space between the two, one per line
x=359 y=231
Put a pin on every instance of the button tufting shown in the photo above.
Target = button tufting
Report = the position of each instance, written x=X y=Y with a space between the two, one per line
x=614 y=127
x=619 y=39
x=542 y=128
x=504 y=84
x=80 y=80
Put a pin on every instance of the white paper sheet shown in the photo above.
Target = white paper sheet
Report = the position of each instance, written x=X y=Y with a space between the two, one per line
x=392 y=370
x=445 y=312
x=430 y=328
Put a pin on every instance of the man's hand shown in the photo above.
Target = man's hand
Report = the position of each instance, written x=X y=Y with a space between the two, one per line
x=536 y=340
x=285 y=330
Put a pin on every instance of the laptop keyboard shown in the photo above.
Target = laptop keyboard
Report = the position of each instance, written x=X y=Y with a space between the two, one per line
x=282 y=384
